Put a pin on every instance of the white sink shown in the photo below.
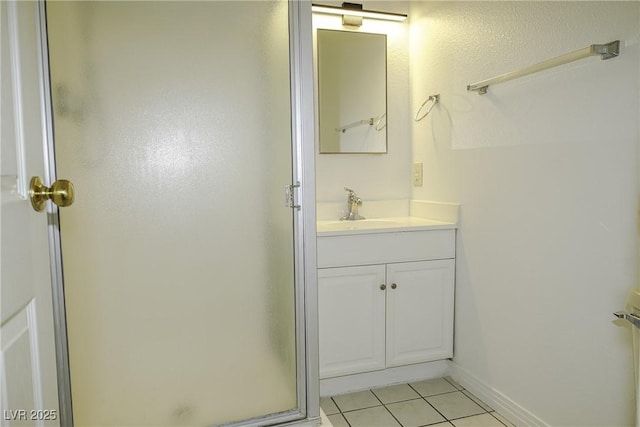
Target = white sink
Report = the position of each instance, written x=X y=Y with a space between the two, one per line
x=361 y=223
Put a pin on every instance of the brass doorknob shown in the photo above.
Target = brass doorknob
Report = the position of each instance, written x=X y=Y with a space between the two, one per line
x=61 y=193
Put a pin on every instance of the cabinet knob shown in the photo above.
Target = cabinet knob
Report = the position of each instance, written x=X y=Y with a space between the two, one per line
x=383 y=287
x=393 y=286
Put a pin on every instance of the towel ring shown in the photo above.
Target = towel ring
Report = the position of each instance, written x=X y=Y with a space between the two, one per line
x=435 y=99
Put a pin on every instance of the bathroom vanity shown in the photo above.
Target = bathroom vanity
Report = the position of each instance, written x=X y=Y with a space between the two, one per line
x=386 y=294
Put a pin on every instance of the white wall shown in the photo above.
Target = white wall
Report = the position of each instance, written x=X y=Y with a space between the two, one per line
x=546 y=170
x=374 y=176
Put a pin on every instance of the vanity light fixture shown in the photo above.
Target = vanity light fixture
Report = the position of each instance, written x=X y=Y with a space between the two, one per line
x=352 y=13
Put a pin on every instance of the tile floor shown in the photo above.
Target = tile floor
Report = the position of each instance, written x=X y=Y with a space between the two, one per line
x=436 y=403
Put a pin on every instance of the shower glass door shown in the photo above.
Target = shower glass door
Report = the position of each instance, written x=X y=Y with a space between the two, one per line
x=173 y=120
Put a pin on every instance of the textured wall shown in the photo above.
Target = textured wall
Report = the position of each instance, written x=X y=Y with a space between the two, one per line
x=546 y=170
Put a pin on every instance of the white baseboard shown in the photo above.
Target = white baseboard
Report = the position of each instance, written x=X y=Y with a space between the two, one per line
x=390 y=376
x=512 y=411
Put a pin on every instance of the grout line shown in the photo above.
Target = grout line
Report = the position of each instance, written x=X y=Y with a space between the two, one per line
x=394 y=417
x=345 y=419
x=406 y=400
x=376 y=396
x=469 y=416
x=436 y=394
x=484 y=411
x=444 y=392
x=477 y=401
x=434 y=408
x=437 y=422
x=411 y=387
x=497 y=419
x=385 y=407
x=352 y=410
x=359 y=409
x=339 y=413
x=335 y=403
x=456 y=385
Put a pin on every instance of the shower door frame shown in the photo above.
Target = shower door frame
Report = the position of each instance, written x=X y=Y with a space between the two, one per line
x=304 y=220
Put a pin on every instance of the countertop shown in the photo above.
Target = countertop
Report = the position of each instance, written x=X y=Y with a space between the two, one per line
x=380 y=225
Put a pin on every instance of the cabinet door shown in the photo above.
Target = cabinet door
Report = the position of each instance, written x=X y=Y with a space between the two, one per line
x=420 y=311
x=351 y=320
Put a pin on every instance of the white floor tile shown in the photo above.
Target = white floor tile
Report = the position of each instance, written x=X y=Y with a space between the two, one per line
x=337 y=420
x=371 y=417
x=439 y=402
x=454 y=405
x=415 y=413
x=328 y=406
x=395 y=393
x=484 y=420
x=432 y=387
x=357 y=400
x=478 y=401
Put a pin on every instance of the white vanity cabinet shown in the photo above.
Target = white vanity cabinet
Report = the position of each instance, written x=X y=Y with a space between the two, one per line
x=419 y=311
x=352 y=319
x=385 y=300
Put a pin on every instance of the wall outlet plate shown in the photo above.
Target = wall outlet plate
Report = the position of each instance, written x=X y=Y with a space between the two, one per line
x=417 y=174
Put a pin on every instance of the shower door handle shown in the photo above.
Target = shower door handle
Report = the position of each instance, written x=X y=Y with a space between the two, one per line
x=61 y=193
x=631 y=318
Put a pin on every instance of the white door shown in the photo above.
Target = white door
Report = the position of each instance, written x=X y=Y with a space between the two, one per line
x=419 y=311
x=351 y=319
x=27 y=359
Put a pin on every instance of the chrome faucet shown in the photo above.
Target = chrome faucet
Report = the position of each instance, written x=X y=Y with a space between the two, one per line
x=353 y=202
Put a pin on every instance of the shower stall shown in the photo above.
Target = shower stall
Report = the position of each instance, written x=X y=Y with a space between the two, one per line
x=181 y=125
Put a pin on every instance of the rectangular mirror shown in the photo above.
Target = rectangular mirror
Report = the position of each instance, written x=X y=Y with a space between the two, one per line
x=352 y=91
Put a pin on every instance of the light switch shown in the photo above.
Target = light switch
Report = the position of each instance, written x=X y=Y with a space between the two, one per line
x=417 y=174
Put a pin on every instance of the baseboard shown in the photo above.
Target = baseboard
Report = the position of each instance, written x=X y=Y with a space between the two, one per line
x=512 y=411
x=390 y=376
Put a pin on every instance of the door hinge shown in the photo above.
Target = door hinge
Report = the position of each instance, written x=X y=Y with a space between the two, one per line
x=289 y=191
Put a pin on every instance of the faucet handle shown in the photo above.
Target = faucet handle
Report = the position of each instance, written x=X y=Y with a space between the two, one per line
x=351 y=197
x=353 y=201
